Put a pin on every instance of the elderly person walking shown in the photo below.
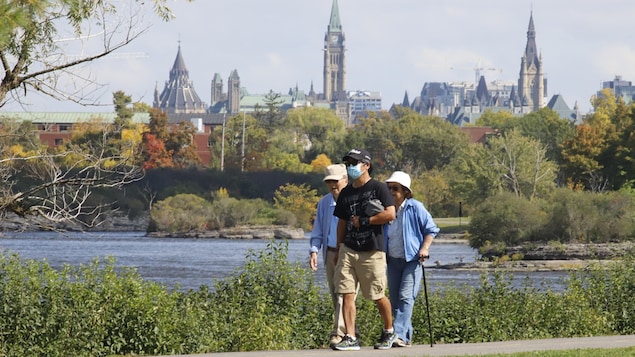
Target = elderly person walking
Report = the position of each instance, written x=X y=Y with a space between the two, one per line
x=324 y=236
x=409 y=238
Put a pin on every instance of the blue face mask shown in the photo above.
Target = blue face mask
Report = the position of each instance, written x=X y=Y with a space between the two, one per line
x=354 y=171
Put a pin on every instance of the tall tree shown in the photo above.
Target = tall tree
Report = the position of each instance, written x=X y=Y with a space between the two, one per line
x=43 y=188
x=124 y=111
x=169 y=146
x=324 y=131
x=35 y=59
x=508 y=163
x=601 y=155
x=154 y=151
x=414 y=143
x=522 y=165
x=271 y=115
x=181 y=144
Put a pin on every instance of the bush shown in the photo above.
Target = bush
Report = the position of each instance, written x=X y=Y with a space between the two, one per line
x=230 y=212
x=579 y=216
x=190 y=213
x=300 y=200
x=87 y=311
x=505 y=218
x=566 y=216
x=181 y=213
x=270 y=303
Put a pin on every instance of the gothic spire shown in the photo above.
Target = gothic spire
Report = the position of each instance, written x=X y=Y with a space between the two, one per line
x=531 y=52
x=334 y=24
x=406 y=101
x=178 y=68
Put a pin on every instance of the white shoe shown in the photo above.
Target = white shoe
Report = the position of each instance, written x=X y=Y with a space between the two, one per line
x=401 y=343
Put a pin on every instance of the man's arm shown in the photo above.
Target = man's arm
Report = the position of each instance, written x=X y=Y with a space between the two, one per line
x=384 y=217
x=341 y=232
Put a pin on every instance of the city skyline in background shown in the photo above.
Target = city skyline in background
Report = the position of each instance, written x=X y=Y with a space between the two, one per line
x=392 y=47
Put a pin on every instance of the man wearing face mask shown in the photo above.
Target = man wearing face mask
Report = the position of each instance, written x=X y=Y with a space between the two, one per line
x=361 y=257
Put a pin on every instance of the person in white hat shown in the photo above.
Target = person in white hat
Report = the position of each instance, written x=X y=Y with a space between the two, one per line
x=324 y=236
x=409 y=238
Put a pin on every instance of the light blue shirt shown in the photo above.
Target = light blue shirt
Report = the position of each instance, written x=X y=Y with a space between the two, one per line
x=416 y=223
x=395 y=235
x=324 y=233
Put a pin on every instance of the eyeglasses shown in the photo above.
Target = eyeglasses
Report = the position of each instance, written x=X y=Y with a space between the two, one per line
x=395 y=188
x=351 y=163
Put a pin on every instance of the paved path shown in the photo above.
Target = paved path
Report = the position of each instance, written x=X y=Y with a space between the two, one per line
x=451 y=349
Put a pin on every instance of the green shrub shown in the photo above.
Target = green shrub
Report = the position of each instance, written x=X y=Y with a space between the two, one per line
x=300 y=200
x=82 y=311
x=191 y=213
x=181 y=213
x=230 y=212
x=270 y=303
x=580 y=216
x=273 y=302
x=505 y=218
x=566 y=216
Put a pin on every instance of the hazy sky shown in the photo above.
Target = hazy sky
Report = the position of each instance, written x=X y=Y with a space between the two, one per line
x=393 y=46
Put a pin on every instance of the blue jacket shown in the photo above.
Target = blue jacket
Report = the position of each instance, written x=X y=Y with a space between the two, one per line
x=322 y=224
x=417 y=223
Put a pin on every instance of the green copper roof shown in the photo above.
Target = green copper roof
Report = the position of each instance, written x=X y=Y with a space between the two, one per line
x=334 y=24
x=64 y=117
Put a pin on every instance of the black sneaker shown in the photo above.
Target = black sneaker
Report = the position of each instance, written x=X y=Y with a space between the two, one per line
x=347 y=344
x=385 y=341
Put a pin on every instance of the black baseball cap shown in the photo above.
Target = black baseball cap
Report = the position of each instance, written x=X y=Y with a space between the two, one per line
x=358 y=154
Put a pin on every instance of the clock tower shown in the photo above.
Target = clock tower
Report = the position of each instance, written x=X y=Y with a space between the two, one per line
x=334 y=59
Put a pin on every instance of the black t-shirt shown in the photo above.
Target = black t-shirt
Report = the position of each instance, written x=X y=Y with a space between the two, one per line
x=350 y=203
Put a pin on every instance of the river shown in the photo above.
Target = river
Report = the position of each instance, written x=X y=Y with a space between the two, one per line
x=189 y=263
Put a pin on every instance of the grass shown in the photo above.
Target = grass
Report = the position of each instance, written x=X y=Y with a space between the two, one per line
x=452 y=224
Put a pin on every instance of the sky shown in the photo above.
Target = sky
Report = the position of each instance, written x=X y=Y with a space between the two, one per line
x=393 y=47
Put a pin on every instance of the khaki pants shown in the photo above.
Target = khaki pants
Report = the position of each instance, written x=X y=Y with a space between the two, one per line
x=338 y=318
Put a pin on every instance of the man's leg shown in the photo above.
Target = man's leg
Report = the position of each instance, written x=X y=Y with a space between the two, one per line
x=339 y=328
x=350 y=311
x=385 y=310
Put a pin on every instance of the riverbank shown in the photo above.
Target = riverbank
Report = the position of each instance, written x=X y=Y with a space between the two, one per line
x=239 y=232
x=541 y=257
x=526 y=265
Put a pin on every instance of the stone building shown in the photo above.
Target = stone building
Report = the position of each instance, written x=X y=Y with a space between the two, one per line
x=463 y=103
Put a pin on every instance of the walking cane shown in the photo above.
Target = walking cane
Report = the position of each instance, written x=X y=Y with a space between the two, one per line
x=425 y=292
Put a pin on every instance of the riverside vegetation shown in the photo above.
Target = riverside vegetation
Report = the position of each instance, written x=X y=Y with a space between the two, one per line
x=270 y=303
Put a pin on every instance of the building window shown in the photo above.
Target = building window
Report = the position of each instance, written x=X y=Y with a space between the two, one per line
x=59 y=141
x=64 y=127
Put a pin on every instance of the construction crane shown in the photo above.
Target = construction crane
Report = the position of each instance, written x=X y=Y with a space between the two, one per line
x=477 y=71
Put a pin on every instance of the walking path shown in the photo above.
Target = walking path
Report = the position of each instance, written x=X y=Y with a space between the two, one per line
x=458 y=349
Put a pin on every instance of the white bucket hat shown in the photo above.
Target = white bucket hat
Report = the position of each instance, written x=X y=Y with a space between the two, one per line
x=335 y=172
x=401 y=178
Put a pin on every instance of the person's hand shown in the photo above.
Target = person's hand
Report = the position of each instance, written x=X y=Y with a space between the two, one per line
x=423 y=254
x=313 y=261
x=355 y=221
x=359 y=221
